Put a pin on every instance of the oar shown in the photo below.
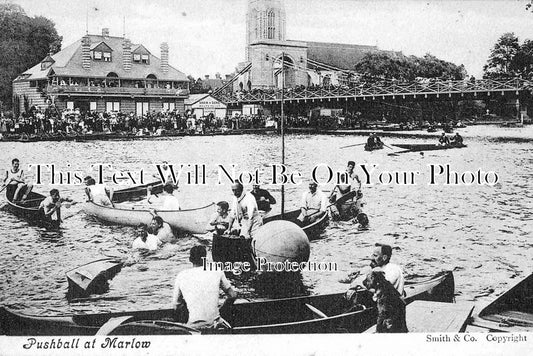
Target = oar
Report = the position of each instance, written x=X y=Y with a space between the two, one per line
x=384 y=144
x=357 y=144
x=397 y=153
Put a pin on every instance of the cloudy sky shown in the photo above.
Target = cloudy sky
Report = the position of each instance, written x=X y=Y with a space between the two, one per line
x=208 y=36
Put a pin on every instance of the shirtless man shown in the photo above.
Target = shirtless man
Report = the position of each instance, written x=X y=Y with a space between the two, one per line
x=199 y=289
x=51 y=205
x=16 y=183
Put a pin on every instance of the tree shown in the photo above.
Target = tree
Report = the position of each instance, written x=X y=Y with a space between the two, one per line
x=501 y=56
x=24 y=42
x=522 y=63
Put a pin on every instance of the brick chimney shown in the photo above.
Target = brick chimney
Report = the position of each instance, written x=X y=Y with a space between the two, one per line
x=86 y=52
x=126 y=54
x=164 y=57
x=206 y=77
x=105 y=32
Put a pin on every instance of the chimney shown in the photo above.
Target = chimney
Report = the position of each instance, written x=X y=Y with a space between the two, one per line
x=86 y=52
x=105 y=32
x=164 y=57
x=206 y=77
x=126 y=54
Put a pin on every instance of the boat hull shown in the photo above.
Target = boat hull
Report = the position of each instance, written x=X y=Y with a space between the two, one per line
x=137 y=192
x=30 y=211
x=426 y=147
x=278 y=316
x=191 y=220
x=312 y=230
x=91 y=277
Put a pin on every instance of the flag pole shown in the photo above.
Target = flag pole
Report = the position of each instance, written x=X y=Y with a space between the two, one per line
x=282 y=132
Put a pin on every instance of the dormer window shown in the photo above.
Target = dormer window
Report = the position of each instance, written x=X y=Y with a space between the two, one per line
x=101 y=52
x=97 y=55
x=107 y=56
x=136 y=57
x=144 y=59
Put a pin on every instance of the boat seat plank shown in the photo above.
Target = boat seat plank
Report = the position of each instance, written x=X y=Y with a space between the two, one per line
x=424 y=316
x=112 y=324
x=316 y=311
x=519 y=316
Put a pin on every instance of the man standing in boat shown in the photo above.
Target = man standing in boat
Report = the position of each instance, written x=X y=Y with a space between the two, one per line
x=15 y=182
x=314 y=202
x=245 y=211
x=263 y=198
x=198 y=289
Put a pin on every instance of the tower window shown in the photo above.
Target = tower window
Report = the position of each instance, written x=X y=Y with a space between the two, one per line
x=271 y=27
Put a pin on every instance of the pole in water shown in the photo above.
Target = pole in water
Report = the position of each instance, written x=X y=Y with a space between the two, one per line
x=282 y=132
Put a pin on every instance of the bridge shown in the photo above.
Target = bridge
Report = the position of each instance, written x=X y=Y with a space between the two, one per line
x=442 y=89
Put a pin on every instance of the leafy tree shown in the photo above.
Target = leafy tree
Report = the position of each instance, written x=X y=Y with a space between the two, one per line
x=522 y=63
x=501 y=56
x=398 y=66
x=24 y=42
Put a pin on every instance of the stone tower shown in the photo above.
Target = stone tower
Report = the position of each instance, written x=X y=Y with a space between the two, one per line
x=265 y=20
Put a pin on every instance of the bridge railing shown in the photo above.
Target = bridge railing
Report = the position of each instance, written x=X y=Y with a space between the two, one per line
x=366 y=89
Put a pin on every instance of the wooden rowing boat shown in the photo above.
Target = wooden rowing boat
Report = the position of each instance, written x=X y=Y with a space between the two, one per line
x=512 y=311
x=326 y=313
x=137 y=192
x=312 y=230
x=416 y=147
x=30 y=211
x=188 y=220
x=92 y=277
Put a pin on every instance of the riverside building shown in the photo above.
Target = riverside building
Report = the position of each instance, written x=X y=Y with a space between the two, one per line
x=105 y=74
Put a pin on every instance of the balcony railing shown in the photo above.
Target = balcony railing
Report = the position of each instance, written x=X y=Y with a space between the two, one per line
x=98 y=90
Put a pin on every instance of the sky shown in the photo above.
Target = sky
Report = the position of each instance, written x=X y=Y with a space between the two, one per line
x=208 y=36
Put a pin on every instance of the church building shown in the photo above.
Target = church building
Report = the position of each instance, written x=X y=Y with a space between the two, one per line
x=306 y=63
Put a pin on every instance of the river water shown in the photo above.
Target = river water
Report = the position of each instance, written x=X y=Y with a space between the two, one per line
x=482 y=232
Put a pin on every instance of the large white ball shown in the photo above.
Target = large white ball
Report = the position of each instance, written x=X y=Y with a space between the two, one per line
x=280 y=241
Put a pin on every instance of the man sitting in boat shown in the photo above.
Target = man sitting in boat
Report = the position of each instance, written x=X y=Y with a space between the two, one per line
x=351 y=180
x=50 y=207
x=198 y=289
x=245 y=212
x=161 y=229
x=314 y=202
x=444 y=140
x=17 y=188
x=167 y=200
x=146 y=241
x=457 y=140
x=98 y=193
x=263 y=199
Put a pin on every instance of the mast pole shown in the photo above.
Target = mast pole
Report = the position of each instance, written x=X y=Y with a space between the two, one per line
x=282 y=131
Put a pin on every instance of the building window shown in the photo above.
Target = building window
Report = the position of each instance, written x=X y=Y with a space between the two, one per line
x=142 y=108
x=70 y=105
x=97 y=55
x=271 y=19
x=107 y=56
x=136 y=57
x=112 y=106
x=169 y=106
x=144 y=59
x=92 y=106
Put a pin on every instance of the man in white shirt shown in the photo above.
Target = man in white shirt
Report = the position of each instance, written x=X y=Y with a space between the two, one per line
x=313 y=203
x=146 y=241
x=17 y=187
x=199 y=290
x=244 y=210
x=167 y=200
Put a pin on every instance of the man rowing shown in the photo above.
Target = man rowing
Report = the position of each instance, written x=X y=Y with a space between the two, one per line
x=50 y=207
x=17 y=189
x=313 y=204
x=350 y=182
x=457 y=140
x=444 y=140
x=245 y=211
x=198 y=289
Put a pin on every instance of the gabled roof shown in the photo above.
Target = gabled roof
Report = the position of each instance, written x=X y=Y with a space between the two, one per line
x=68 y=62
x=101 y=47
x=340 y=55
x=140 y=49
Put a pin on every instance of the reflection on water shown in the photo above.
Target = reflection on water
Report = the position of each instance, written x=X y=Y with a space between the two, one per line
x=481 y=232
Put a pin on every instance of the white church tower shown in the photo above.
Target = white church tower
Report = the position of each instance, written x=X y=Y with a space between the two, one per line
x=265 y=20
